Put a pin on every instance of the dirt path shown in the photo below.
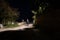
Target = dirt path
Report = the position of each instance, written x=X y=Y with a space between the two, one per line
x=21 y=27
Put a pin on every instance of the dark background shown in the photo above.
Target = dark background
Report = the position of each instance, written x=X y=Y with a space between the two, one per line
x=25 y=7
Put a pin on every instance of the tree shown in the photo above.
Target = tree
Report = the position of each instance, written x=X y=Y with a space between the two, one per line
x=40 y=11
x=7 y=13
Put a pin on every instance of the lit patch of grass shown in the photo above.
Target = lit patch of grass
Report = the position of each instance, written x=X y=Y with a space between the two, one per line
x=11 y=25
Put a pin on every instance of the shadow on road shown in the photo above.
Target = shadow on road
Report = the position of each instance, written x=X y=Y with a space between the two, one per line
x=29 y=34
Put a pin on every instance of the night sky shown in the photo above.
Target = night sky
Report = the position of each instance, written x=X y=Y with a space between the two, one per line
x=25 y=7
